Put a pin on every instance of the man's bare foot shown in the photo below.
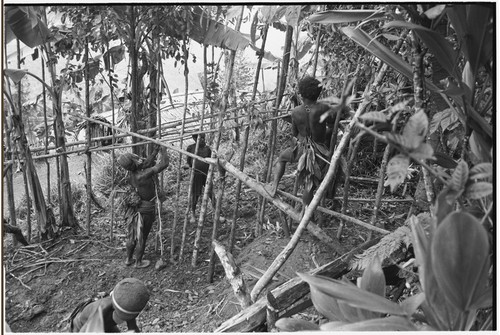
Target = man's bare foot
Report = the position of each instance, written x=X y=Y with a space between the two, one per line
x=129 y=261
x=142 y=264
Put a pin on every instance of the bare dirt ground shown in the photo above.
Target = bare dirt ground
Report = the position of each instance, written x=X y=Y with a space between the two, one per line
x=45 y=281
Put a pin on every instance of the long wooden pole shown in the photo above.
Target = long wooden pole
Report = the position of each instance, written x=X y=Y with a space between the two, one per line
x=245 y=140
x=201 y=219
x=179 y=169
x=47 y=130
x=113 y=139
x=20 y=108
x=220 y=191
x=88 y=170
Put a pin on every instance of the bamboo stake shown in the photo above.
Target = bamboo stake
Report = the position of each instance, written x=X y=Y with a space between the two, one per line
x=158 y=123
x=113 y=139
x=201 y=219
x=220 y=191
x=283 y=256
x=87 y=135
x=44 y=96
x=245 y=140
x=20 y=108
x=354 y=145
x=8 y=174
x=274 y=126
x=179 y=170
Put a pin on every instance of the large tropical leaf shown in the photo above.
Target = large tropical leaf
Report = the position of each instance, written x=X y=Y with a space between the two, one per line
x=344 y=16
x=217 y=34
x=352 y=295
x=460 y=259
x=24 y=23
x=383 y=53
x=473 y=25
x=391 y=323
x=437 y=44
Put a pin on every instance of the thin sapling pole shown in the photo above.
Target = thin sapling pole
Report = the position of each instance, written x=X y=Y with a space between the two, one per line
x=201 y=219
x=88 y=136
x=245 y=139
x=222 y=172
x=179 y=166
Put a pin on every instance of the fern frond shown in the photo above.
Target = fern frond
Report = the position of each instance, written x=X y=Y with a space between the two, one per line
x=388 y=245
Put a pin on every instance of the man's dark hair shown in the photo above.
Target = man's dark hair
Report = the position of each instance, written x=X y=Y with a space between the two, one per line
x=309 y=88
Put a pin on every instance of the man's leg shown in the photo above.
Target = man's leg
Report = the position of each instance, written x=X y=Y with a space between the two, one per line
x=147 y=223
x=278 y=174
x=131 y=239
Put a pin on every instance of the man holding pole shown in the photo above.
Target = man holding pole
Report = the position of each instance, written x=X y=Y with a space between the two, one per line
x=140 y=214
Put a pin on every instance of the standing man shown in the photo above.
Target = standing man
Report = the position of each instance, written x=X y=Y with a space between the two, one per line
x=200 y=173
x=310 y=147
x=141 y=215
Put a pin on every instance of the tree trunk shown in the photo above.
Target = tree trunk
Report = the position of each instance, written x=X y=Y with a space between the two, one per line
x=66 y=204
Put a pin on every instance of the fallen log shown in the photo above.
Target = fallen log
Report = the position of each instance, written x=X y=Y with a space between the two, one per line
x=233 y=275
x=253 y=317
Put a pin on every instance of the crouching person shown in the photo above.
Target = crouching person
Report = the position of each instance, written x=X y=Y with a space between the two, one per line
x=124 y=304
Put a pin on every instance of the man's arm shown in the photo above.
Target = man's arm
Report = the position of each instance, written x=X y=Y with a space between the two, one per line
x=163 y=164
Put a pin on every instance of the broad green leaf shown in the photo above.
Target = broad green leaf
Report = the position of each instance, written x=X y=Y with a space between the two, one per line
x=333 y=325
x=411 y=304
x=375 y=117
x=391 y=37
x=479 y=190
x=253 y=28
x=373 y=279
x=292 y=14
x=459 y=176
x=481 y=171
x=421 y=245
x=445 y=160
x=326 y=305
x=344 y=16
x=459 y=251
x=304 y=49
x=391 y=323
x=295 y=325
x=26 y=26
x=416 y=129
x=484 y=300
x=435 y=11
x=352 y=314
x=352 y=295
x=437 y=44
x=472 y=24
x=383 y=53
x=424 y=151
x=396 y=171
x=480 y=147
x=217 y=34
x=15 y=75
x=445 y=203
x=436 y=121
